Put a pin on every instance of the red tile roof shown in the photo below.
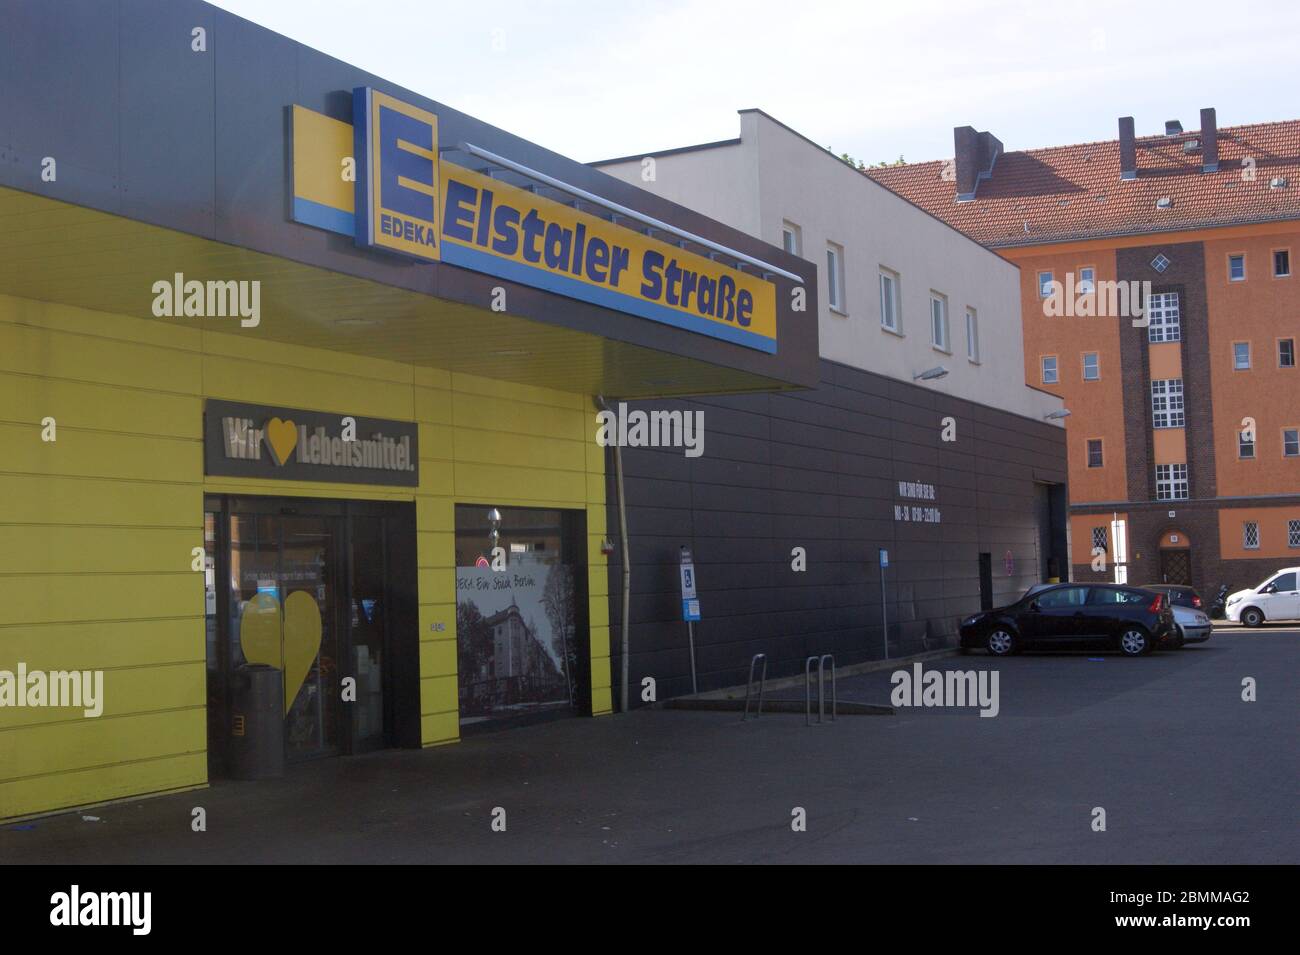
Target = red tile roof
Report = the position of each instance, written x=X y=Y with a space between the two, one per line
x=1066 y=193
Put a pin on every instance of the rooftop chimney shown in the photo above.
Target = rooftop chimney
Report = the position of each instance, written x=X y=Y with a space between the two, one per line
x=1128 y=162
x=1173 y=127
x=1209 y=141
x=975 y=153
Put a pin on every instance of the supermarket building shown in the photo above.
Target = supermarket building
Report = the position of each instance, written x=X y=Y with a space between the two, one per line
x=297 y=367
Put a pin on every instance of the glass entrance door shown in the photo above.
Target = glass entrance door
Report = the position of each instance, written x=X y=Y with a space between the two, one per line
x=323 y=591
x=284 y=574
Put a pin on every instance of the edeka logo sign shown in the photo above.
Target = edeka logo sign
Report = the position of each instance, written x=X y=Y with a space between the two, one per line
x=408 y=201
x=256 y=441
x=396 y=147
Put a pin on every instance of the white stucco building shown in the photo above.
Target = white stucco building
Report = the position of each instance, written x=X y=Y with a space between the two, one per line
x=900 y=292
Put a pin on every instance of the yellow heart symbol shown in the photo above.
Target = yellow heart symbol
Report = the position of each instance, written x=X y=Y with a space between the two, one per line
x=281 y=438
x=289 y=646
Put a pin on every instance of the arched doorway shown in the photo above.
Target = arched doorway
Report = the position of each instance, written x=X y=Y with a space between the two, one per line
x=1175 y=558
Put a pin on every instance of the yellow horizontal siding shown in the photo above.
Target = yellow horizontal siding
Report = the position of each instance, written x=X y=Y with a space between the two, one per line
x=26 y=498
x=126 y=691
x=98 y=526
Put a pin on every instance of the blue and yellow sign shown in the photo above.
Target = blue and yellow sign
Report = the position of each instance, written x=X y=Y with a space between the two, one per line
x=410 y=202
x=396 y=148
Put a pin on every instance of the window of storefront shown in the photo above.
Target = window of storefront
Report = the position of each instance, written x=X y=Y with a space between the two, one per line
x=521 y=614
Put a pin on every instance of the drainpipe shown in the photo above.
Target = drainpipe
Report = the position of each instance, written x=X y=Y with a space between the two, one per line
x=627 y=557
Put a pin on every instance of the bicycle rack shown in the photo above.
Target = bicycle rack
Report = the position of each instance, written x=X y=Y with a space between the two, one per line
x=821 y=688
x=749 y=684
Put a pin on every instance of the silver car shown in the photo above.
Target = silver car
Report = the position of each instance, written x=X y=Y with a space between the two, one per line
x=1194 y=625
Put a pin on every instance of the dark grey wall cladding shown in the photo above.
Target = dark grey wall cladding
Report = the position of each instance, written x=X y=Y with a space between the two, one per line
x=820 y=470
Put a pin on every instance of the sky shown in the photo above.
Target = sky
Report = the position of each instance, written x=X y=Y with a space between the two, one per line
x=595 y=79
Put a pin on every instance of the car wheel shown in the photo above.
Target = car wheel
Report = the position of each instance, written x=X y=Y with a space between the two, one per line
x=1180 y=637
x=1252 y=616
x=1002 y=642
x=1134 y=642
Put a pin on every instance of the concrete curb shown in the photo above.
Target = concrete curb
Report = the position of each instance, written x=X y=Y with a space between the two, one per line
x=732 y=698
x=842 y=708
x=867 y=666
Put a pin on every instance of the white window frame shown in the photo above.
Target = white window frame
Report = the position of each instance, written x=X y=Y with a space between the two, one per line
x=1096 y=364
x=972 y=336
x=1236 y=365
x=1249 y=530
x=1243 y=444
x=788 y=228
x=1287 y=273
x=1288 y=442
x=1045 y=280
x=1173 y=484
x=1242 y=257
x=1164 y=317
x=939 y=322
x=890 y=301
x=1167 y=406
x=1087 y=283
x=1280 y=343
x=835 y=297
x=1056 y=369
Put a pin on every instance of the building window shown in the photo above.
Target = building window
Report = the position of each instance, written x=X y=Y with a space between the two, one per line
x=1286 y=352
x=792 y=238
x=1171 y=482
x=1250 y=535
x=835 y=277
x=1281 y=263
x=939 y=322
x=1087 y=281
x=1099 y=538
x=1291 y=442
x=889 y=311
x=1094 y=453
x=1044 y=284
x=1245 y=445
x=1293 y=533
x=1162 y=313
x=1167 y=403
x=972 y=336
x=1160 y=262
x=1050 y=376
x=1236 y=268
x=1241 y=356
x=1091 y=366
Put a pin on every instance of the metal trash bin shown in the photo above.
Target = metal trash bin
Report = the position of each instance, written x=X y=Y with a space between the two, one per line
x=257 y=722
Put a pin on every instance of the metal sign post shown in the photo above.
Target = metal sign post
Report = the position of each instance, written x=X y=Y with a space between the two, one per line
x=690 y=607
x=884 y=617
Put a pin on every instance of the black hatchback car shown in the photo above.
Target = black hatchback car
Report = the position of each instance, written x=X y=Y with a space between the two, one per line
x=1075 y=617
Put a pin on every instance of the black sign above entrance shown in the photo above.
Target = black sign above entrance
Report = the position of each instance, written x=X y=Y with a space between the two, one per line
x=290 y=444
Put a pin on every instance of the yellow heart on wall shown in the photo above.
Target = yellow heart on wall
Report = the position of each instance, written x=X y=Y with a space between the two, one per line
x=290 y=645
x=281 y=438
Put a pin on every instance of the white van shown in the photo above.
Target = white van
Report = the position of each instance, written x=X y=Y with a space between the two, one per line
x=1277 y=598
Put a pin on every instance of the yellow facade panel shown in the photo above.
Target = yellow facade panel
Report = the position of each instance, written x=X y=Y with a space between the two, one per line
x=76 y=500
x=33 y=795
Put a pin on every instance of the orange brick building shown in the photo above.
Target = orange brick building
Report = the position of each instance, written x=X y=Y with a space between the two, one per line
x=1185 y=405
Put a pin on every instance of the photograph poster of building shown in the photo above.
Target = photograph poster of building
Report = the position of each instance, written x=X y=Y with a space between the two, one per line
x=515 y=638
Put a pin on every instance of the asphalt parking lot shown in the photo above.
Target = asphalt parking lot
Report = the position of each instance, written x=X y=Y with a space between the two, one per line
x=1185 y=770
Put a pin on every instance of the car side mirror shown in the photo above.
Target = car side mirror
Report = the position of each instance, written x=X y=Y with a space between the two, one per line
x=1033 y=605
